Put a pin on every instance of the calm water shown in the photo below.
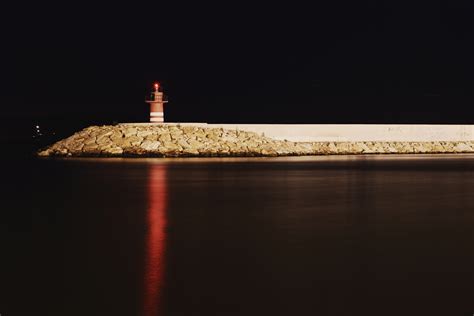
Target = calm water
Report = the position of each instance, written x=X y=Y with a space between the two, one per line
x=300 y=236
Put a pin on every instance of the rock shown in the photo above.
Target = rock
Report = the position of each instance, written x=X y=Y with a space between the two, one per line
x=166 y=137
x=150 y=145
x=170 y=146
x=269 y=152
x=45 y=153
x=189 y=129
x=90 y=147
x=437 y=147
x=342 y=147
x=183 y=143
x=152 y=137
x=251 y=143
x=361 y=147
x=122 y=142
x=114 y=151
x=77 y=147
x=144 y=133
x=195 y=144
x=90 y=140
x=105 y=133
x=176 y=134
x=130 y=131
x=191 y=152
x=104 y=140
x=135 y=140
x=462 y=147
x=199 y=134
x=214 y=135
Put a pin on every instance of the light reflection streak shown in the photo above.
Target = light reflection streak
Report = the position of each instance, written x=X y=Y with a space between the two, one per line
x=155 y=241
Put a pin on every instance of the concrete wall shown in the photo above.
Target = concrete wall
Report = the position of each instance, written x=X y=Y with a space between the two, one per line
x=352 y=132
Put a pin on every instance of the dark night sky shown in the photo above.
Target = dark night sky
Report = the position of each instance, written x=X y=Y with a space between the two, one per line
x=333 y=61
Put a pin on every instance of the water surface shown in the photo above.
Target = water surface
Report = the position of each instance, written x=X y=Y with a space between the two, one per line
x=350 y=235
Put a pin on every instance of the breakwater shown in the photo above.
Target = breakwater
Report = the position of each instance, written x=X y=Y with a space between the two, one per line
x=188 y=140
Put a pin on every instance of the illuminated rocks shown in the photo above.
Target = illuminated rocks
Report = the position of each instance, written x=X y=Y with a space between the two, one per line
x=150 y=145
x=136 y=140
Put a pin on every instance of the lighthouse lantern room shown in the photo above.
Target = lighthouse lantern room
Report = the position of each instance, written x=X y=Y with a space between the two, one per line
x=156 y=105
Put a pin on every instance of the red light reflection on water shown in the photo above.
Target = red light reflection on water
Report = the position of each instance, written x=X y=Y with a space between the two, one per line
x=155 y=242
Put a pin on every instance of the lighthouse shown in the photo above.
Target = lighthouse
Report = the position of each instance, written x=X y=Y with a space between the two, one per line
x=157 y=114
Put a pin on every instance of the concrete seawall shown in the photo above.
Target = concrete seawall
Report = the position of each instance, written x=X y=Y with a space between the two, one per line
x=348 y=132
x=204 y=140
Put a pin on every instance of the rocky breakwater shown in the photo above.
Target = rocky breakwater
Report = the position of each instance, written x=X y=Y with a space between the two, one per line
x=128 y=140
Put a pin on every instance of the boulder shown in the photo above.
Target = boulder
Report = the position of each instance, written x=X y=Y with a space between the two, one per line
x=150 y=145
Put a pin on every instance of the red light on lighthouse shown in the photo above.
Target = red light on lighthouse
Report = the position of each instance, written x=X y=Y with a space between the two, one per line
x=157 y=85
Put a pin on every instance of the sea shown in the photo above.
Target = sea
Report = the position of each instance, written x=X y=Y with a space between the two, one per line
x=329 y=235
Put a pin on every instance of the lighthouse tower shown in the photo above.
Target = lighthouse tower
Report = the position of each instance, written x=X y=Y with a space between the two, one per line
x=156 y=105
